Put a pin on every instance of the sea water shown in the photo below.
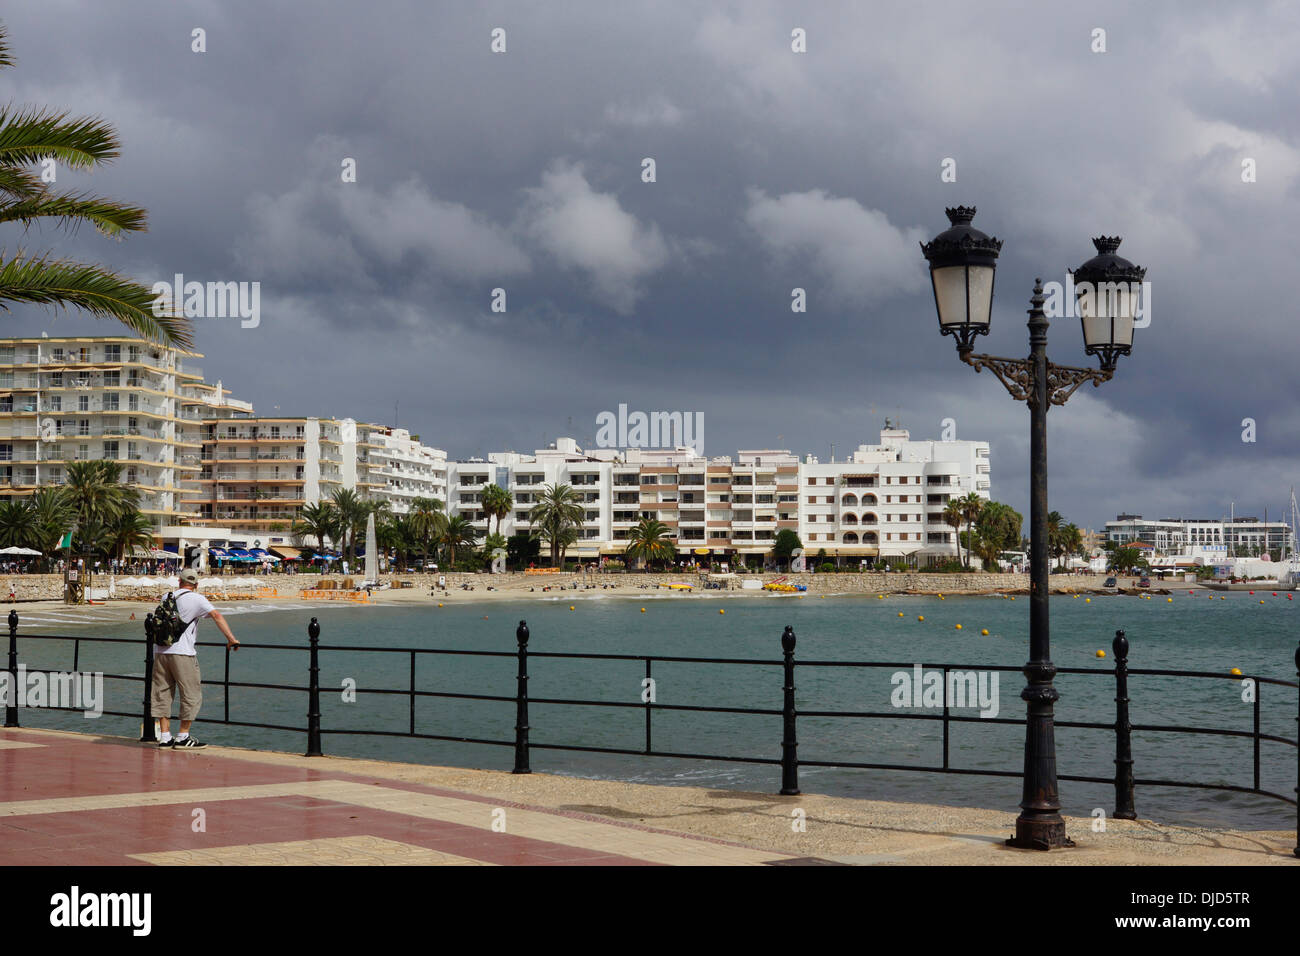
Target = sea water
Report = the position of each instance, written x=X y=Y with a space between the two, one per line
x=1197 y=631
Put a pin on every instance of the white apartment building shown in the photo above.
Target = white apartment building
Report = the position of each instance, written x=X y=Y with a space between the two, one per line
x=116 y=398
x=884 y=502
x=887 y=500
x=1209 y=538
x=393 y=466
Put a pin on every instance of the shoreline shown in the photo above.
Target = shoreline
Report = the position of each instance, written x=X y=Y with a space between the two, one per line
x=620 y=587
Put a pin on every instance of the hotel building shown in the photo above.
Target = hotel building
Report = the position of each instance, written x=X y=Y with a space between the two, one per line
x=1211 y=538
x=885 y=501
x=111 y=398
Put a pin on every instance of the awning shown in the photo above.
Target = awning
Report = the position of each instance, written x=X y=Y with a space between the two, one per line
x=239 y=554
x=262 y=555
x=289 y=554
x=219 y=553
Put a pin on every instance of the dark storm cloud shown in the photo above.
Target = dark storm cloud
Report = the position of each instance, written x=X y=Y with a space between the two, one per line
x=775 y=170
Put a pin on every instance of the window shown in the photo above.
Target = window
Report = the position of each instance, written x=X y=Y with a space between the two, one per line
x=112 y=353
x=112 y=379
x=6 y=452
x=110 y=450
x=133 y=402
x=83 y=403
x=56 y=380
x=111 y=401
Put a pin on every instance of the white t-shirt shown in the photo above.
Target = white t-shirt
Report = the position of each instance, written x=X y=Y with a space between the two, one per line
x=192 y=605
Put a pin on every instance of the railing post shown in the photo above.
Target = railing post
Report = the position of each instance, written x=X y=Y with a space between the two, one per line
x=11 y=705
x=1296 y=851
x=146 y=726
x=789 y=745
x=521 y=700
x=313 y=691
x=1123 y=733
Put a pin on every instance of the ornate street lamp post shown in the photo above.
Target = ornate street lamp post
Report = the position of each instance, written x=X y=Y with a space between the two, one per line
x=962 y=263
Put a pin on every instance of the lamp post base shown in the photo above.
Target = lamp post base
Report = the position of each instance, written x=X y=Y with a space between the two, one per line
x=1040 y=833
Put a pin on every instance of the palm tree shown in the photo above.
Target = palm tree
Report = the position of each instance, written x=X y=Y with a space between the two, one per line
x=454 y=533
x=17 y=524
x=29 y=135
x=953 y=517
x=94 y=491
x=351 y=513
x=971 y=506
x=1054 y=522
x=423 y=519
x=497 y=503
x=316 y=521
x=51 y=517
x=558 y=510
x=131 y=530
x=649 y=542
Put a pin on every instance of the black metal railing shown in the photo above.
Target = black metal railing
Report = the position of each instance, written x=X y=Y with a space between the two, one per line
x=1123 y=778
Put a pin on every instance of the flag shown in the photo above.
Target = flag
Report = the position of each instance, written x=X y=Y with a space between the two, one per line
x=66 y=540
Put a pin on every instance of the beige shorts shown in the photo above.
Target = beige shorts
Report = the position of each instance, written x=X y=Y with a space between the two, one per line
x=171 y=671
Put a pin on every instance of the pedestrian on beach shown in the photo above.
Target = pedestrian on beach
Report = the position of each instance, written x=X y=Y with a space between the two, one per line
x=177 y=667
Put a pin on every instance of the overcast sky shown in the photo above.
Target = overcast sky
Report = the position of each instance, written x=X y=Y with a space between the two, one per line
x=775 y=170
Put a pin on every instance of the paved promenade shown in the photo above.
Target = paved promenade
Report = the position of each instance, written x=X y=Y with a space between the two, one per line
x=72 y=799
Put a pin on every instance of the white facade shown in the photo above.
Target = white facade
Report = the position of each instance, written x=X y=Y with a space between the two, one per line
x=392 y=465
x=886 y=501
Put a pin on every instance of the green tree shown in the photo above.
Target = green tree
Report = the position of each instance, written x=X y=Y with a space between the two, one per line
x=51 y=518
x=497 y=502
x=649 y=542
x=786 y=543
x=29 y=135
x=317 y=521
x=17 y=524
x=1000 y=523
x=971 y=506
x=453 y=533
x=522 y=549
x=128 y=531
x=350 y=516
x=558 y=511
x=953 y=517
x=1125 y=559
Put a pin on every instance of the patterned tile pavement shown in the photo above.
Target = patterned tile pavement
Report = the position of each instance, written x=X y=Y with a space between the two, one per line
x=77 y=800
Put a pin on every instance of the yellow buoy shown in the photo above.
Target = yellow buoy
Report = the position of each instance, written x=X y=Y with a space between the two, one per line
x=1236 y=672
x=1013 y=597
x=920 y=617
x=880 y=596
x=1087 y=600
x=985 y=632
x=1261 y=602
x=642 y=610
x=1223 y=599
x=570 y=607
x=439 y=604
x=721 y=611
x=1169 y=600
x=900 y=613
x=1101 y=653
x=958 y=627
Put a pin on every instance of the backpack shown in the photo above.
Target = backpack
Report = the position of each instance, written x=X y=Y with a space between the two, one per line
x=167 y=622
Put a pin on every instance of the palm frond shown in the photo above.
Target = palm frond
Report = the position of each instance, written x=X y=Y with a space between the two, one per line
x=109 y=217
x=104 y=294
x=6 y=58
x=29 y=135
x=19 y=183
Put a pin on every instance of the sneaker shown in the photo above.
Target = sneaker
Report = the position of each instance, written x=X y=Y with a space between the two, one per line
x=189 y=743
x=167 y=743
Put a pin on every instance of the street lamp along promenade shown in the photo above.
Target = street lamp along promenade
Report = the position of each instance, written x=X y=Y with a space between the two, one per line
x=962 y=265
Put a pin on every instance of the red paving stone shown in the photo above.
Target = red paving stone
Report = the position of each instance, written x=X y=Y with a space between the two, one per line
x=69 y=767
